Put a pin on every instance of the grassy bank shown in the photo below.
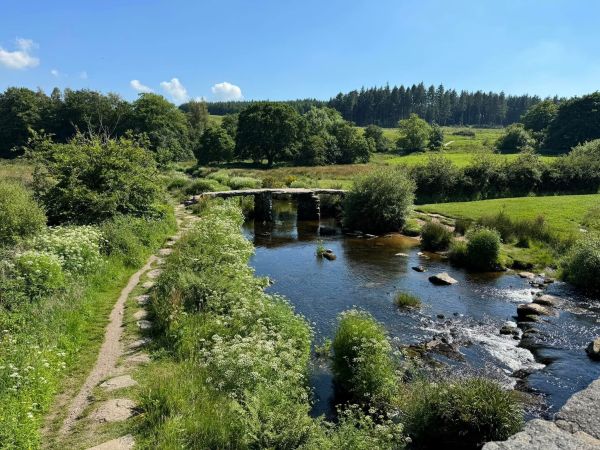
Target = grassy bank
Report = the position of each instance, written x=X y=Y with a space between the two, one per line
x=50 y=341
x=564 y=214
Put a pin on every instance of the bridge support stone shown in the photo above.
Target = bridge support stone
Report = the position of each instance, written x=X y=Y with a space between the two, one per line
x=309 y=207
x=263 y=207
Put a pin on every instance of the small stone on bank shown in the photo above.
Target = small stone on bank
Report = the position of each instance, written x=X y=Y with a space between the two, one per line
x=114 y=410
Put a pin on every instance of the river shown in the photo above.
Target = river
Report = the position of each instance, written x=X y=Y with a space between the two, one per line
x=366 y=275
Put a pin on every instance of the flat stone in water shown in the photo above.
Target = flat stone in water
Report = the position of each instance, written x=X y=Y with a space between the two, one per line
x=122 y=443
x=442 y=279
x=120 y=382
x=114 y=410
x=527 y=275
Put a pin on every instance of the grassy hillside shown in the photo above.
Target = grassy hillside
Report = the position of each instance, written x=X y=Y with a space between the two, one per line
x=564 y=213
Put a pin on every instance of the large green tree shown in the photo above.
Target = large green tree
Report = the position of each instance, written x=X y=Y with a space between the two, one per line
x=21 y=110
x=539 y=116
x=165 y=126
x=577 y=121
x=215 y=145
x=414 y=133
x=267 y=131
x=380 y=140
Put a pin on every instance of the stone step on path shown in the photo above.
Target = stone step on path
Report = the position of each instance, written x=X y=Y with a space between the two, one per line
x=118 y=382
x=123 y=443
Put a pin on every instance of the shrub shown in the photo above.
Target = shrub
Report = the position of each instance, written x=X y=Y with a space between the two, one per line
x=90 y=180
x=363 y=367
x=483 y=248
x=20 y=215
x=414 y=133
x=467 y=133
x=300 y=184
x=77 y=247
x=462 y=225
x=41 y=273
x=406 y=300
x=221 y=176
x=243 y=183
x=436 y=179
x=272 y=182
x=435 y=236
x=380 y=141
x=380 y=201
x=462 y=414
x=201 y=185
x=458 y=252
x=581 y=266
x=515 y=139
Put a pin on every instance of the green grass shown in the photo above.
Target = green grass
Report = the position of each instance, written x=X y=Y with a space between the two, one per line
x=563 y=213
x=406 y=300
x=16 y=170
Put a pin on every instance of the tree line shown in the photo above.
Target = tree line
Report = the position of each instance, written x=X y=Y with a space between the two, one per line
x=171 y=132
x=385 y=106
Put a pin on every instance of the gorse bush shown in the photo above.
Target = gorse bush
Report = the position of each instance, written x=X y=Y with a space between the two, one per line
x=90 y=180
x=435 y=236
x=363 y=367
x=520 y=230
x=581 y=266
x=380 y=201
x=243 y=183
x=20 y=215
x=461 y=414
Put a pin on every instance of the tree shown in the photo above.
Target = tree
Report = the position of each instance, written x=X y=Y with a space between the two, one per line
x=21 y=110
x=165 y=126
x=230 y=124
x=380 y=140
x=351 y=145
x=539 y=116
x=21 y=215
x=267 y=131
x=197 y=115
x=436 y=137
x=380 y=201
x=215 y=145
x=90 y=179
x=515 y=139
x=577 y=121
x=414 y=133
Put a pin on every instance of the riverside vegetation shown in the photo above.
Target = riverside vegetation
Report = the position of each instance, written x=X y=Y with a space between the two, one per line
x=233 y=365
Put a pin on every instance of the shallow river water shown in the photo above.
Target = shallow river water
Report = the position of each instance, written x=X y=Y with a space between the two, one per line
x=366 y=275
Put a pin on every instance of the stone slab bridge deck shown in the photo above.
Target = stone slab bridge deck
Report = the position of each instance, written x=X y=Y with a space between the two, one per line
x=309 y=203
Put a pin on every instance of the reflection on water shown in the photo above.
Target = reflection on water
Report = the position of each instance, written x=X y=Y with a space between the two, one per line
x=367 y=273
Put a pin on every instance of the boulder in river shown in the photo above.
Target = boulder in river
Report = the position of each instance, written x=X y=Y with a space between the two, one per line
x=547 y=300
x=419 y=268
x=404 y=255
x=328 y=254
x=533 y=309
x=442 y=279
x=528 y=275
x=593 y=349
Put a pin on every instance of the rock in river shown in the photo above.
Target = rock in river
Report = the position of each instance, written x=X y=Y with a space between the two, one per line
x=419 y=268
x=442 y=279
x=328 y=254
x=533 y=309
x=593 y=349
x=547 y=300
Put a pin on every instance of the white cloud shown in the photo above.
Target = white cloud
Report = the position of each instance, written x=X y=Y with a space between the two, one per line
x=83 y=75
x=20 y=58
x=55 y=73
x=226 y=92
x=175 y=89
x=139 y=87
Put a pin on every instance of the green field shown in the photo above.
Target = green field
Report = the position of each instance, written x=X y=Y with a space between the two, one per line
x=564 y=213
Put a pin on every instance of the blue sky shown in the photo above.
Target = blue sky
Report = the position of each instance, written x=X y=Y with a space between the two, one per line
x=296 y=49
